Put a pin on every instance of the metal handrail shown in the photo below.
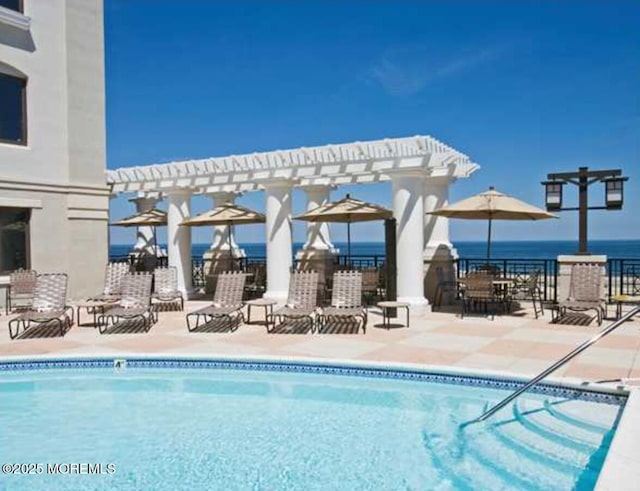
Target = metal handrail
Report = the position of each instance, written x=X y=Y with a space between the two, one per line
x=548 y=371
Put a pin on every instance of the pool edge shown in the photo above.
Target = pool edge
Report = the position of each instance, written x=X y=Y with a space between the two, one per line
x=621 y=468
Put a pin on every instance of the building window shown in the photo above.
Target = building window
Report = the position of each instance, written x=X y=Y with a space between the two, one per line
x=14 y=239
x=12 y=5
x=13 y=128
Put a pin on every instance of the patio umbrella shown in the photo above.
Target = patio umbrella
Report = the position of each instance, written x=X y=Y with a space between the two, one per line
x=150 y=218
x=228 y=214
x=346 y=210
x=492 y=205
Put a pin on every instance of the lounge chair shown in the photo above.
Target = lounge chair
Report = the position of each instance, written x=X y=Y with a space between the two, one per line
x=165 y=287
x=113 y=274
x=22 y=285
x=134 y=302
x=346 y=301
x=49 y=305
x=585 y=292
x=227 y=301
x=302 y=301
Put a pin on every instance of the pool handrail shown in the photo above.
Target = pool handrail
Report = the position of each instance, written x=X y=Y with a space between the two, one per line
x=552 y=368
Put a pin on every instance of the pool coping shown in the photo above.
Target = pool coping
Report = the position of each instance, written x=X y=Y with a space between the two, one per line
x=621 y=468
x=489 y=378
x=620 y=471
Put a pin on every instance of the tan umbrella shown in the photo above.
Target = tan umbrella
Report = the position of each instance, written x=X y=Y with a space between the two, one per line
x=492 y=205
x=346 y=210
x=150 y=218
x=228 y=214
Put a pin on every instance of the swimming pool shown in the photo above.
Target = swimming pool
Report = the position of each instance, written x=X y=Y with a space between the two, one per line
x=172 y=424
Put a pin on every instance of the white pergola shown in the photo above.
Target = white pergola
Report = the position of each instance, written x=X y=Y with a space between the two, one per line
x=420 y=169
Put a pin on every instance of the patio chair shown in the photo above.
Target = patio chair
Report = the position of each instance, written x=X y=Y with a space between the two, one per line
x=446 y=285
x=227 y=301
x=371 y=291
x=22 y=285
x=478 y=291
x=113 y=274
x=257 y=283
x=346 y=301
x=49 y=305
x=165 y=286
x=134 y=303
x=585 y=292
x=302 y=301
x=529 y=287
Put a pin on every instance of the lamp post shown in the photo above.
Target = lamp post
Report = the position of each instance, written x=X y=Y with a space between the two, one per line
x=612 y=180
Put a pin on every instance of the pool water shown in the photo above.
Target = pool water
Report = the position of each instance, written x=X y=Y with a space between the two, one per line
x=174 y=429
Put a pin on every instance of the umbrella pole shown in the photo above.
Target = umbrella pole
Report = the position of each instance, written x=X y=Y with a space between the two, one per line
x=489 y=242
x=349 y=241
x=155 y=242
x=233 y=265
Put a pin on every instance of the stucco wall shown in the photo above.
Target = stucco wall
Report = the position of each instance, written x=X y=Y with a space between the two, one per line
x=62 y=167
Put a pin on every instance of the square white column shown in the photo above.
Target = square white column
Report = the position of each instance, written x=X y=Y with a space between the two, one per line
x=179 y=237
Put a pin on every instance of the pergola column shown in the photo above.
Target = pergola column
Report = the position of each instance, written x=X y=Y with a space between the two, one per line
x=178 y=237
x=278 y=237
x=408 y=210
x=438 y=250
x=223 y=239
x=144 y=235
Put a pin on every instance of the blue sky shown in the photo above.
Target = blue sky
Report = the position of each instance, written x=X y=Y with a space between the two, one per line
x=524 y=88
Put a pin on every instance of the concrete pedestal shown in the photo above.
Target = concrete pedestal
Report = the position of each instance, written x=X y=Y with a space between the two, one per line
x=443 y=257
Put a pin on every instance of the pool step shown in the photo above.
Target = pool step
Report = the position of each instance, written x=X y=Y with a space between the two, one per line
x=537 y=444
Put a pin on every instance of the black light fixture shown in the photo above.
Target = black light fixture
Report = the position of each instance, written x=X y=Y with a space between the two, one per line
x=613 y=195
x=614 y=192
x=553 y=194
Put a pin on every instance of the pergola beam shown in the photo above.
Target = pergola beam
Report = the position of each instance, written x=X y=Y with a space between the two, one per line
x=352 y=163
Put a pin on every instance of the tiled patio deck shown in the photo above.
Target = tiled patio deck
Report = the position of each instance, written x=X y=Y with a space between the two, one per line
x=516 y=343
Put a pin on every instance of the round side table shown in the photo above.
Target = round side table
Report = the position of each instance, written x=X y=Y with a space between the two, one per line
x=386 y=306
x=265 y=303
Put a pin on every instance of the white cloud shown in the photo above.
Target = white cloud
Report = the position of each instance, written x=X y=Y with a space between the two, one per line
x=407 y=71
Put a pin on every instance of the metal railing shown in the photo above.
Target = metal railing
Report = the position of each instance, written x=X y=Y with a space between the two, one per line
x=517 y=270
x=548 y=371
x=623 y=274
x=624 y=277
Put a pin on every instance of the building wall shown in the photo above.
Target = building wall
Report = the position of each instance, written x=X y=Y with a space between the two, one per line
x=60 y=173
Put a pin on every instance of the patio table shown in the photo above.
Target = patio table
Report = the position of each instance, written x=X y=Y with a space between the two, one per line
x=266 y=303
x=621 y=300
x=93 y=306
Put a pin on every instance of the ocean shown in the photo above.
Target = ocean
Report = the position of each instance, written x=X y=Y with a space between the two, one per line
x=550 y=249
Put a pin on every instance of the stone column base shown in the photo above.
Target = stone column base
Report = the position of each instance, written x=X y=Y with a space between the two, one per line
x=441 y=256
x=218 y=261
x=320 y=260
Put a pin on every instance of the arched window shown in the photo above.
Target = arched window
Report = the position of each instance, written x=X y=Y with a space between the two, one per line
x=13 y=106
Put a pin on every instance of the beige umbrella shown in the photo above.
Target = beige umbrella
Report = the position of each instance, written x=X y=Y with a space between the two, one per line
x=150 y=218
x=492 y=205
x=228 y=214
x=347 y=210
